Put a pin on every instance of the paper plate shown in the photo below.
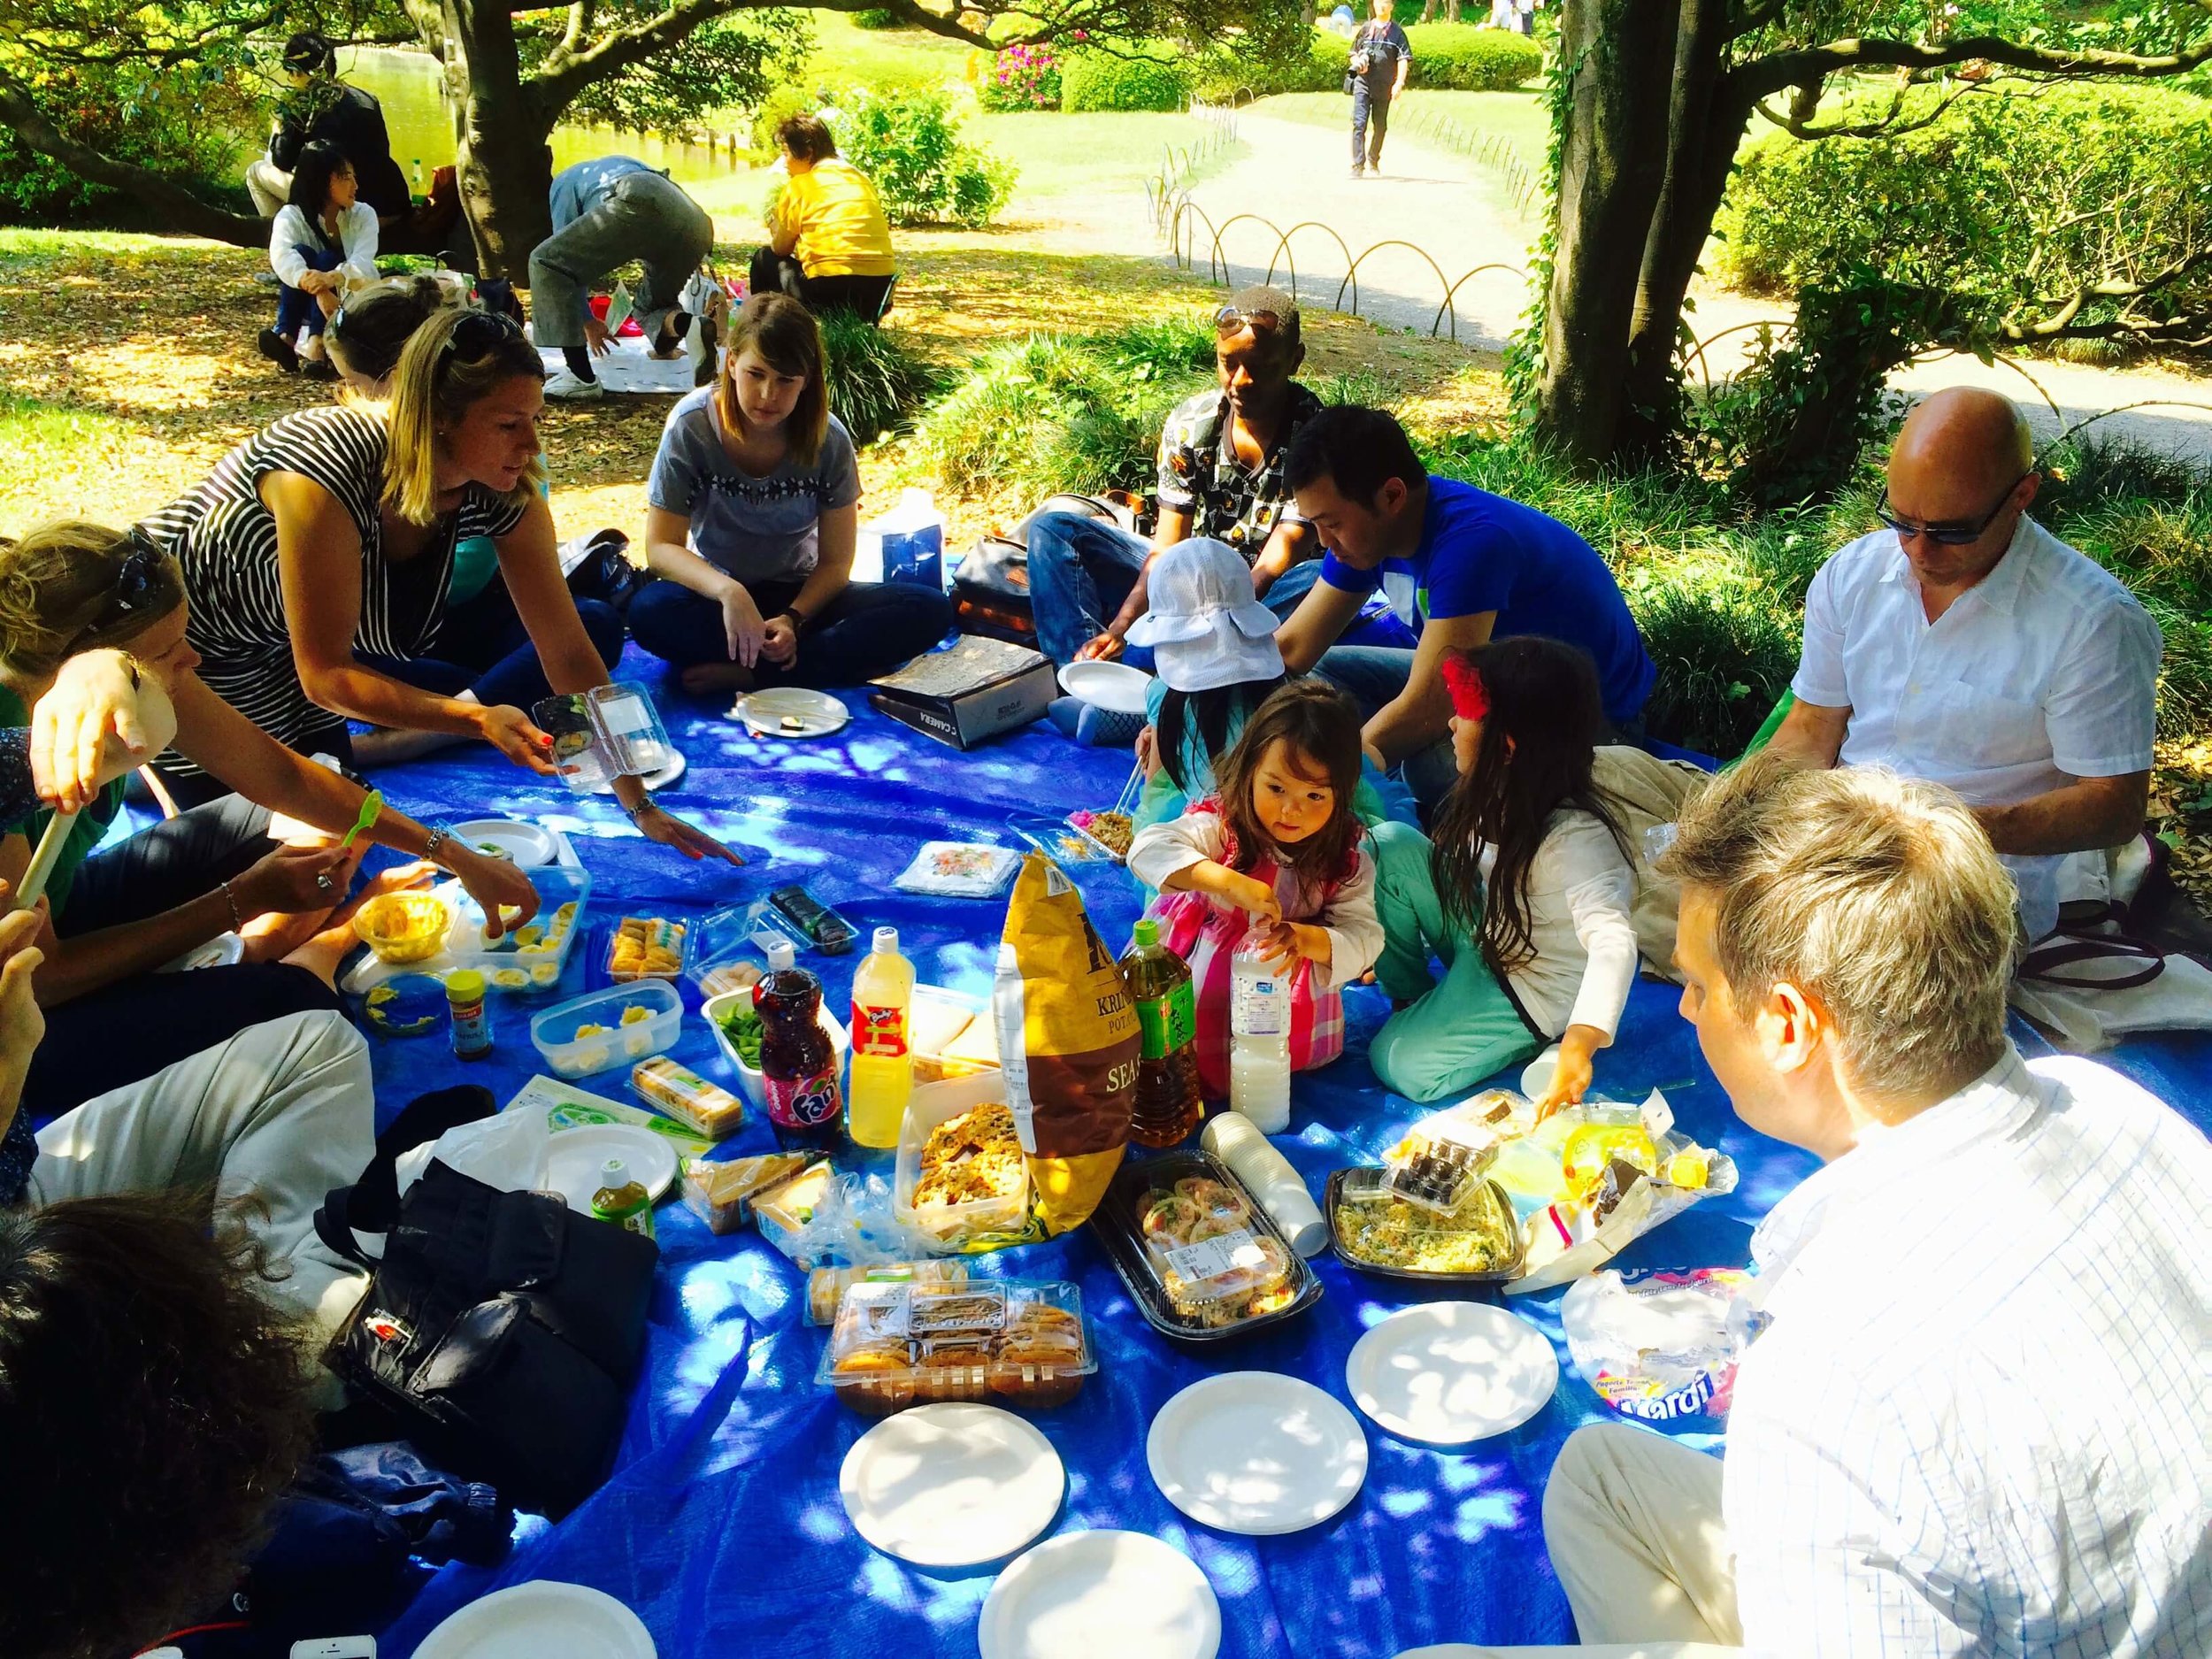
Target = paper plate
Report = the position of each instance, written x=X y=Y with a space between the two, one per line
x=222 y=951
x=951 y=1485
x=541 y=1620
x=574 y=1156
x=1114 y=685
x=764 y=712
x=1101 y=1595
x=1448 y=1373
x=528 y=845
x=660 y=780
x=1257 y=1452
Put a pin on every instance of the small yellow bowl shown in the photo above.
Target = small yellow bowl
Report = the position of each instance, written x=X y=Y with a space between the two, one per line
x=403 y=927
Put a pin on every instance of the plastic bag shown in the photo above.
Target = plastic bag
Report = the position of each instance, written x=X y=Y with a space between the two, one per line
x=1659 y=1346
x=852 y=1227
x=509 y=1151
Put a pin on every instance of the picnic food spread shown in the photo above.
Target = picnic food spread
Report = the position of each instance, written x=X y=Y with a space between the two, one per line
x=1015 y=1342
x=646 y=948
x=976 y=1156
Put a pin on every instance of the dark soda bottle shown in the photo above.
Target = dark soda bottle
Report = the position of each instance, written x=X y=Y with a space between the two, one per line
x=798 y=1064
x=1168 y=1106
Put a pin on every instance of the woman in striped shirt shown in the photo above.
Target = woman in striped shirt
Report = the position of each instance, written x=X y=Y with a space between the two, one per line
x=318 y=553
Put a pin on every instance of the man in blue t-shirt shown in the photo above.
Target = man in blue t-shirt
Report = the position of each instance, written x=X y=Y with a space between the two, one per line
x=1460 y=567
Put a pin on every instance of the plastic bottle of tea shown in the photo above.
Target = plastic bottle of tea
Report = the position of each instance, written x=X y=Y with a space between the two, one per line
x=1168 y=1106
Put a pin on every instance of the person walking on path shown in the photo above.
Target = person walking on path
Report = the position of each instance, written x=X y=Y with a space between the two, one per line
x=1381 y=59
x=606 y=213
x=829 y=244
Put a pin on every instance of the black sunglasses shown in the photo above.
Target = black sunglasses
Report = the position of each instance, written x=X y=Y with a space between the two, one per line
x=1947 y=534
x=478 y=334
x=136 y=576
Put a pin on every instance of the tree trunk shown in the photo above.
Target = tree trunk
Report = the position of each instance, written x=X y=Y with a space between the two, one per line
x=163 y=195
x=504 y=168
x=1612 y=166
x=1702 y=128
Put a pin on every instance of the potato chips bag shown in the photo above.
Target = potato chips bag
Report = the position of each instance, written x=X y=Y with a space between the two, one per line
x=1068 y=1041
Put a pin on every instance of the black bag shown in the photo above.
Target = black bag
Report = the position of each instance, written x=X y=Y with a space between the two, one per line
x=990 y=587
x=597 y=567
x=501 y=1330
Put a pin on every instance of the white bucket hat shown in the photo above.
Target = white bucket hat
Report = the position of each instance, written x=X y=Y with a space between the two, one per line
x=1205 y=627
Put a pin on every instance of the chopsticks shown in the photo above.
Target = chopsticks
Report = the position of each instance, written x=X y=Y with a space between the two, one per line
x=1125 y=802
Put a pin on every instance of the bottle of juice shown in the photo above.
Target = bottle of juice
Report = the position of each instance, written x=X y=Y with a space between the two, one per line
x=883 y=1067
x=622 y=1199
x=798 y=1064
x=1168 y=1106
x=1259 y=1041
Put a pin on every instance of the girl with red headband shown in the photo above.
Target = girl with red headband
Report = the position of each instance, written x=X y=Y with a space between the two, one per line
x=1526 y=895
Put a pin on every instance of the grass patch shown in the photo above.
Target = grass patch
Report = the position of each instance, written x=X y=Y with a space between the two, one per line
x=844 y=52
x=1063 y=155
x=876 y=379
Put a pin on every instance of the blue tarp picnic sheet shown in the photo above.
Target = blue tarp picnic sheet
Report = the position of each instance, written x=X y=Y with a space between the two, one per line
x=721 y=1525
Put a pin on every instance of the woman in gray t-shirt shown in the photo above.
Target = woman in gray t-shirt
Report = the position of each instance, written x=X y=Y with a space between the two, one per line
x=752 y=512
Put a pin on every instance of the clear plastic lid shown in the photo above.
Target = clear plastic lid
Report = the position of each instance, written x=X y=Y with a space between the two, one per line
x=1442 y=1158
x=531 y=957
x=606 y=733
x=1202 y=1259
x=647 y=948
x=1016 y=1342
x=960 y=870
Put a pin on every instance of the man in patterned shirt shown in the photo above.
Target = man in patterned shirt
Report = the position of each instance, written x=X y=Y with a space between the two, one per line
x=1974 y=1418
x=1221 y=475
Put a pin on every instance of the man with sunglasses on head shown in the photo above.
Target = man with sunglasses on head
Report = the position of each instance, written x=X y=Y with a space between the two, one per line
x=1967 y=645
x=1220 y=475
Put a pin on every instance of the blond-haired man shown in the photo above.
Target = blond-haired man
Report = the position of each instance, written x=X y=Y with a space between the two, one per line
x=1974 y=1421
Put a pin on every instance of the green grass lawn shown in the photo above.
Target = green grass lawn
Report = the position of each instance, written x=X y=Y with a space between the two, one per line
x=1075 y=155
x=881 y=57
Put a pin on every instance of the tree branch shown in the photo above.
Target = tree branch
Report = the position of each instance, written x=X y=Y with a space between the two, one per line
x=1889 y=126
x=171 y=199
x=2062 y=323
x=1763 y=77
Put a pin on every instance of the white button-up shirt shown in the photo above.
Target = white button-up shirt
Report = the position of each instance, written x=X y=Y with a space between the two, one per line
x=2043 y=671
x=1980 y=1421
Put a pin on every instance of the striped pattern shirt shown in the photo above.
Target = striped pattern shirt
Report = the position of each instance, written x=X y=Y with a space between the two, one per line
x=227 y=541
x=1977 y=1423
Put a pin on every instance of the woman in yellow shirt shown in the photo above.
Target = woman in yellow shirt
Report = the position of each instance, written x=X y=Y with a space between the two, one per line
x=829 y=245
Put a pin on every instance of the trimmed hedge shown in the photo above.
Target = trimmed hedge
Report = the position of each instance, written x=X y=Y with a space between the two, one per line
x=1459 y=58
x=877 y=18
x=1093 y=81
x=1222 y=76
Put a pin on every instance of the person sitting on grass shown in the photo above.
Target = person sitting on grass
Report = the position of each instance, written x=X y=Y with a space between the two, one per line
x=1527 y=894
x=753 y=509
x=318 y=107
x=829 y=244
x=81 y=602
x=1971 y=1419
x=606 y=213
x=323 y=240
x=1966 y=644
x=1459 y=566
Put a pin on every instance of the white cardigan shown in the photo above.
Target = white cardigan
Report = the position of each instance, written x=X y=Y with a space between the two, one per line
x=1581 y=896
x=357 y=235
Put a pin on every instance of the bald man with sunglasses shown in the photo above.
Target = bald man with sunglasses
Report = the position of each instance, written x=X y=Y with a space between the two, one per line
x=1967 y=645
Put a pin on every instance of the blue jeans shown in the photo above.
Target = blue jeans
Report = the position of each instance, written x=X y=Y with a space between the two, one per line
x=482 y=648
x=1080 y=572
x=1372 y=675
x=1371 y=119
x=295 y=306
x=868 y=629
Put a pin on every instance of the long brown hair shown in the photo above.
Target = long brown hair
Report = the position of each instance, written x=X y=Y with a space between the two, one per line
x=1545 y=708
x=789 y=341
x=1320 y=728
x=70 y=586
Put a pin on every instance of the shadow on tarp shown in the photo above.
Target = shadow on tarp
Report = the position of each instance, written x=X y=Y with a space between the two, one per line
x=722 y=1525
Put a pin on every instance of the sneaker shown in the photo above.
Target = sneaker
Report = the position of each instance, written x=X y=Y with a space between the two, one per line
x=318 y=369
x=564 y=385
x=1357 y=172
x=280 y=351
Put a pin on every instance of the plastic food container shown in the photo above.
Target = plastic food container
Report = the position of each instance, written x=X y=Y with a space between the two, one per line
x=727 y=949
x=1058 y=840
x=559 y=1033
x=404 y=927
x=529 y=958
x=956 y=1051
x=606 y=733
x=825 y=1286
x=749 y=1083
x=1440 y=1160
x=951 y=1223
x=722 y=1192
x=1085 y=823
x=1013 y=1342
x=677 y=1092
x=646 y=948
x=960 y=870
x=1378 y=1233
x=1202 y=1260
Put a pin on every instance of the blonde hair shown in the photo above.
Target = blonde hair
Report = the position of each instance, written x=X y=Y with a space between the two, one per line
x=1878 y=895
x=63 y=591
x=438 y=380
x=789 y=341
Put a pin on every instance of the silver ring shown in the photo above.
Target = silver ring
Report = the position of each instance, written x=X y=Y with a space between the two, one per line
x=323 y=881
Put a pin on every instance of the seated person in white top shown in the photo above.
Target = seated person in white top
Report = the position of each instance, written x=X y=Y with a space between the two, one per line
x=1967 y=645
x=1974 y=1420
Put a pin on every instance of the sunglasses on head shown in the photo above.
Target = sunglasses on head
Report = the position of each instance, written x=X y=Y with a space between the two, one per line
x=1960 y=535
x=136 y=577
x=1232 y=318
x=478 y=334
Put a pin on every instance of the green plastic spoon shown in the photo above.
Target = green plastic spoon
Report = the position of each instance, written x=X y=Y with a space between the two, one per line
x=372 y=804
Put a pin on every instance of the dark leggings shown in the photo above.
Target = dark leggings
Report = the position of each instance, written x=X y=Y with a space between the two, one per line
x=124 y=1032
x=868 y=629
x=865 y=297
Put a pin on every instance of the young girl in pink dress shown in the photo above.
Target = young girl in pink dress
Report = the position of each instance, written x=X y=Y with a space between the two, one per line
x=1276 y=855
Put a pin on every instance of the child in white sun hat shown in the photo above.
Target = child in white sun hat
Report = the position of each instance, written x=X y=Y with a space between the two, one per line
x=1214 y=653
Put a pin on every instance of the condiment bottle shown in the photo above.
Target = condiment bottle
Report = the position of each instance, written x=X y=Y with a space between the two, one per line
x=883 y=1066
x=623 y=1200
x=1168 y=1106
x=1259 y=1041
x=471 y=1020
x=798 y=1064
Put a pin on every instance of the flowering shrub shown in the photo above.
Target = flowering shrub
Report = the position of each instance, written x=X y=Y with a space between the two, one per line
x=1022 y=78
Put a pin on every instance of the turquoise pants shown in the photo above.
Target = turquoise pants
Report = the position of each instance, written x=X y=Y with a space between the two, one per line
x=1452 y=1035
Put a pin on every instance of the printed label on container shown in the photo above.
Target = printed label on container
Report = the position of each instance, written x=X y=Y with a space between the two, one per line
x=804 y=1102
x=880 y=1030
x=1260 y=1008
x=1168 y=1023
x=870 y=1312
x=1215 y=1258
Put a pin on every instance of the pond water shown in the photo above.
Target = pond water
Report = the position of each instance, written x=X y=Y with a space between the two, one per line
x=421 y=127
